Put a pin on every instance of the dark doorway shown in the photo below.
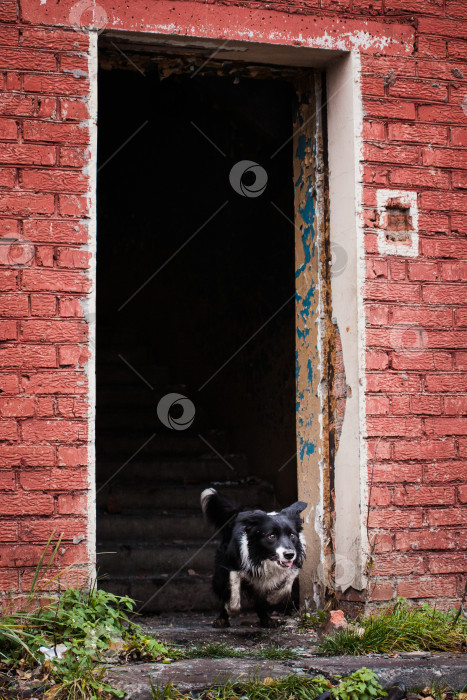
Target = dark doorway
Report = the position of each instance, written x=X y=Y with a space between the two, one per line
x=195 y=288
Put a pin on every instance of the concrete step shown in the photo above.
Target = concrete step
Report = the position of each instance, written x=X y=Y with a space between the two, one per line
x=162 y=594
x=155 y=559
x=152 y=527
x=183 y=471
x=122 y=445
x=116 y=498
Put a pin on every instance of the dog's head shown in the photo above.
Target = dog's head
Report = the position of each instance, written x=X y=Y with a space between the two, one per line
x=274 y=536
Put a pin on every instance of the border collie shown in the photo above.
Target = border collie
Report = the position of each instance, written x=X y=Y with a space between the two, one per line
x=261 y=553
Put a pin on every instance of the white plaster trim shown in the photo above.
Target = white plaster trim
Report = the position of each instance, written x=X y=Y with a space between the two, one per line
x=345 y=118
x=407 y=198
x=91 y=301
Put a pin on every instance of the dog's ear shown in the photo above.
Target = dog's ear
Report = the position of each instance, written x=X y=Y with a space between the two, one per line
x=250 y=518
x=293 y=512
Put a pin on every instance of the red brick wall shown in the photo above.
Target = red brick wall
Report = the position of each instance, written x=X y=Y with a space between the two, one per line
x=415 y=132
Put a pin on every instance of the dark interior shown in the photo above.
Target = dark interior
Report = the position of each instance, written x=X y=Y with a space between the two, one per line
x=208 y=269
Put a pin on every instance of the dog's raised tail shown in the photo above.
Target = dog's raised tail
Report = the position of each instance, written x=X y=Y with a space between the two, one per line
x=218 y=509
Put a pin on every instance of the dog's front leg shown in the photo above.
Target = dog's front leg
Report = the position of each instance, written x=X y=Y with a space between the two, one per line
x=264 y=613
x=223 y=619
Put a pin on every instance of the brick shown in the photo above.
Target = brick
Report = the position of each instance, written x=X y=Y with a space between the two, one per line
x=446 y=426
x=377 y=360
x=426 y=405
x=8 y=533
x=395 y=518
x=7 y=482
x=54 y=430
x=418 y=90
x=458 y=136
x=26 y=203
x=445 y=339
x=9 y=581
x=394 y=473
x=45 y=407
x=27 y=504
x=74 y=157
x=398 y=564
x=457 y=49
x=73 y=205
x=42 y=180
x=63 y=84
x=68 y=456
x=444 y=471
x=8 y=430
x=44 y=256
x=54 y=132
x=462 y=491
x=446 y=201
x=425 y=317
x=9 y=384
x=43 y=305
x=417 y=133
x=425 y=539
x=425 y=449
x=406 y=155
x=70 y=503
x=14 y=305
x=394 y=426
x=56 y=39
x=441 y=114
x=423 y=271
x=27 y=455
x=441 y=70
x=419 y=361
x=455 y=405
x=454 y=271
x=55 y=281
x=74 y=110
x=392 y=291
x=373 y=130
x=34 y=530
x=392 y=383
x=448 y=563
x=53 y=479
x=71 y=306
x=56 y=231
x=377 y=315
x=8 y=130
x=27 y=154
x=23 y=356
x=379 y=449
x=442 y=517
x=16 y=407
x=8 y=330
x=445 y=382
x=428 y=587
x=8 y=280
x=459 y=179
x=386 y=109
x=400 y=405
x=380 y=496
x=7 y=177
x=431 y=47
x=423 y=495
x=440 y=26
x=70 y=257
x=73 y=355
x=54 y=331
x=461 y=360
x=444 y=294
x=444 y=158
x=26 y=59
x=58 y=382
x=382 y=591
x=383 y=543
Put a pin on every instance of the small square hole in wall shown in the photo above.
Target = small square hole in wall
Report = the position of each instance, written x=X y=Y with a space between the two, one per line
x=398 y=222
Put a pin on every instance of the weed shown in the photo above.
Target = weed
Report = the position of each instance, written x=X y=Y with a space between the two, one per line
x=400 y=628
x=219 y=650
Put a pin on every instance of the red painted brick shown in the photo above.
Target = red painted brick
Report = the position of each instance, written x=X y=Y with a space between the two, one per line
x=444 y=157
x=8 y=533
x=444 y=471
x=26 y=59
x=27 y=154
x=70 y=504
x=423 y=495
x=394 y=473
x=45 y=407
x=43 y=305
x=33 y=504
x=394 y=426
x=35 y=530
x=417 y=133
x=16 y=407
x=63 y=84
x=425 y=316
x=461 y=360
x=386 y=109
x=455 y=405
x=44 y=256
x=68 y=456
x=74 y=110
x=58 y=382
x=444 y=294
x=70 y=257
x=407 y=155
x=73 y=355
x=425 y=539
x=14 y=305
x=445 y=382
x=380 y=496
x=382 y=591
x=26 y=203
x=54 y=331
x=418 y=360
x=53 y=479
x=383 y=543
x=445 y=339
x=454 y=271
x=71 y=306
x=54 y=430
x=426 y=405
x=398 y=564
x=442 y=114
x=423 y=271
x=400 y=405
x=395 y=518
x=377 y=360
x=74 y=157
x=458 y=136
x=446 y=426
x=448 y=563
x=9 y=384
x=462 y=492
x=54 y=281
x=418 y=90
x=441 y=517
x=459 y=179
x=56 y=133
x=425 y=449
x=377 y=315
x=8 y=130
x=429 y=587
x=8 y=330
x=393 y=383
x=379 y=449
x=73 y=205
x=56 y=39
x=27 y=455
x=392 y=291
x=56 y=231
x=53 y=180
x=23 y=356
x=373 y=130
x=8 y=280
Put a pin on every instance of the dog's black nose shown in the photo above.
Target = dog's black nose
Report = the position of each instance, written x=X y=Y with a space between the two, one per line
x=289 y=555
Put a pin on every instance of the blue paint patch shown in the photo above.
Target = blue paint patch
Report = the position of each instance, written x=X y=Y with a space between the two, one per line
x=309 y=367
x=306 y=448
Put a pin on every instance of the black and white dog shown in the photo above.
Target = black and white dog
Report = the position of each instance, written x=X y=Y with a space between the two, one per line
x=260 y=553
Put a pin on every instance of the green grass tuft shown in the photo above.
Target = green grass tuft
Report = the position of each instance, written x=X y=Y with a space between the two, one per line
x=400 y=628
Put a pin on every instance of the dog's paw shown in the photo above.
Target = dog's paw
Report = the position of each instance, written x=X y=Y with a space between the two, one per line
x=221 y=622
x=269 y=622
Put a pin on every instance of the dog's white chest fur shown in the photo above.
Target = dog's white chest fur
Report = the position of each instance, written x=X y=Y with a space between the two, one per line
x=268 y=581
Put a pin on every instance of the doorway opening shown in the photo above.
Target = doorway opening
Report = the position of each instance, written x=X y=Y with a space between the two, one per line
x=196 y=325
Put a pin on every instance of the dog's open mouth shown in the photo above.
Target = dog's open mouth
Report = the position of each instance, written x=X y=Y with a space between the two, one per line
x=285 y=564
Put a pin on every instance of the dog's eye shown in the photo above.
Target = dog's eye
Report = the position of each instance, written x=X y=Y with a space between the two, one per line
x=292 y=536
x=271 y=536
